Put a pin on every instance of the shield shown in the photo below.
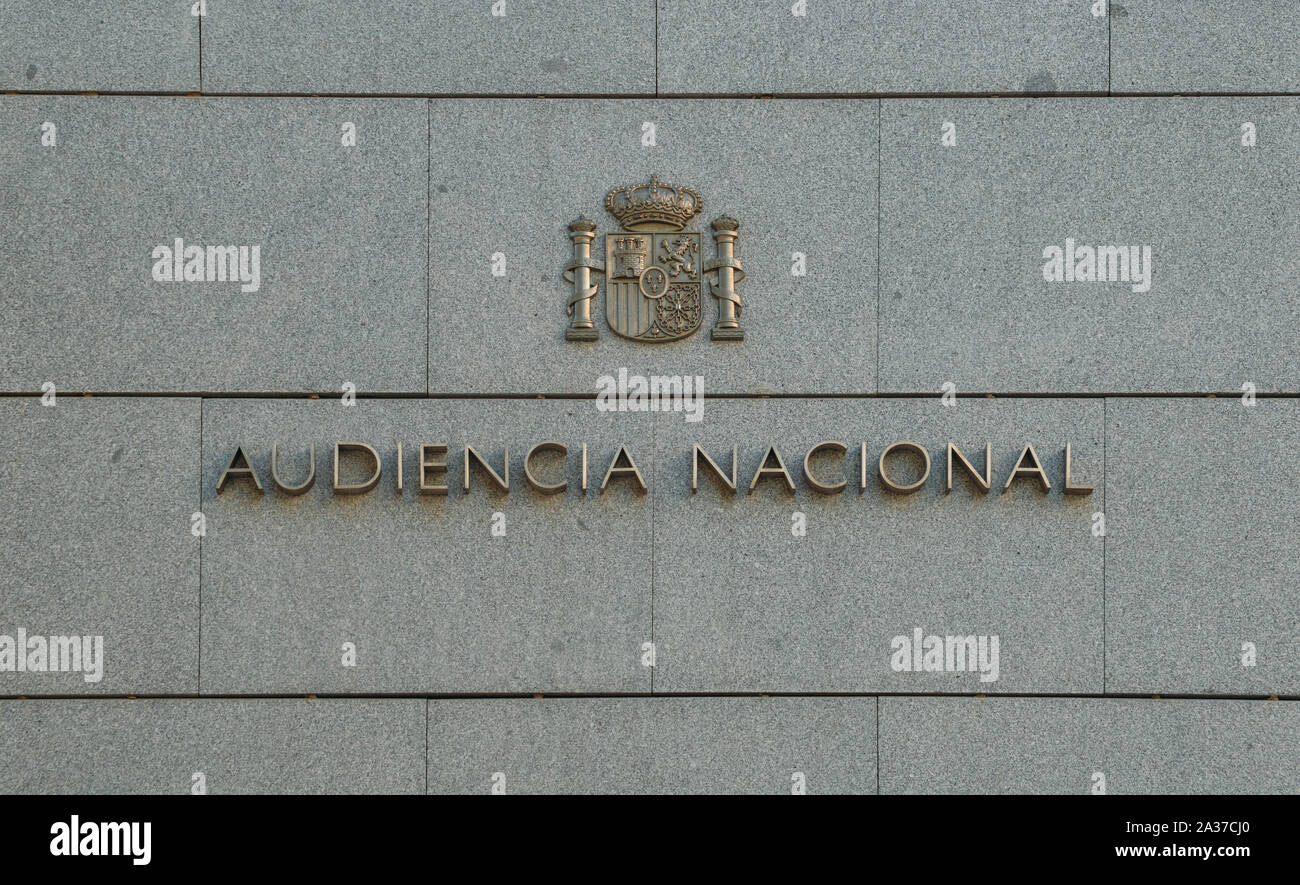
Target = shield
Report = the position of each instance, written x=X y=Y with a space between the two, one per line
x=653 y=284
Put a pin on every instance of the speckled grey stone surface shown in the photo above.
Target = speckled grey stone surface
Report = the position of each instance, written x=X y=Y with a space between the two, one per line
x=120 y=46
x=1205 y=46
x=1059 y=745
x=430 y=598
x=509 y=176
x=341 y=233
x=924 y=266
x=157 y=746
x=96 y=498
x=964 y=229
x=1202 y=529
x=446 y=46
x=653 y=745
x=881 y=46
x=742 y=604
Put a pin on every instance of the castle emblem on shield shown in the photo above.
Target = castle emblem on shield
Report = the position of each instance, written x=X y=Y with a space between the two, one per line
x=654 y=270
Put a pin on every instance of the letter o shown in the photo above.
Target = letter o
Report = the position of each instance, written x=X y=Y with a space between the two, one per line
x=894 y=487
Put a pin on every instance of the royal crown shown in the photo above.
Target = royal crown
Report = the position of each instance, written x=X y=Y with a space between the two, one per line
x=653 y=203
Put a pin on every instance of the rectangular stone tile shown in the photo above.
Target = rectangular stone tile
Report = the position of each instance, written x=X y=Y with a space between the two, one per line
x=509 y=176
x=1079 y=745
x=746 y=602
x=968 y=233
x=1205 y=46
x=123 y=46
x=337 y=291
x=1201 y=534
x=881 y=46
x=449 y=46
x=653 y=745
x=101 y=570
x=161 y=746
x=430 y=599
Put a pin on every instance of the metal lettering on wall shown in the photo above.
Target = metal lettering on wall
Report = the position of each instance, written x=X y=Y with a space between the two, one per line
x=433 y=469
x=653 y=275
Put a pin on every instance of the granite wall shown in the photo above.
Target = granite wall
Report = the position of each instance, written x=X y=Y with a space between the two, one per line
x=1052 y=244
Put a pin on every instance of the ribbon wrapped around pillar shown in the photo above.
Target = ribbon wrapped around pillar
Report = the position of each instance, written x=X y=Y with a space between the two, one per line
x=578 y=272
x=727 y=272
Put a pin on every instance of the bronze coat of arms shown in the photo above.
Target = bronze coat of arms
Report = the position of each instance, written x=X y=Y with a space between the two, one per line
x=654 y=283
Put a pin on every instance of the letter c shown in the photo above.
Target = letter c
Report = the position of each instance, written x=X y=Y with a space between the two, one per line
x=533 y=482
x=838 y=448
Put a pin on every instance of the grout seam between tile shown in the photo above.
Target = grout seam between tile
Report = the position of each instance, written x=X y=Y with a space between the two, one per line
x=880 y=174
x=656 y=6
x=715 y=397
x=199 y=671
x=654 y=458
x=642 y=96
x=1153 y=696
x=877 y=745
x=428 y=239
